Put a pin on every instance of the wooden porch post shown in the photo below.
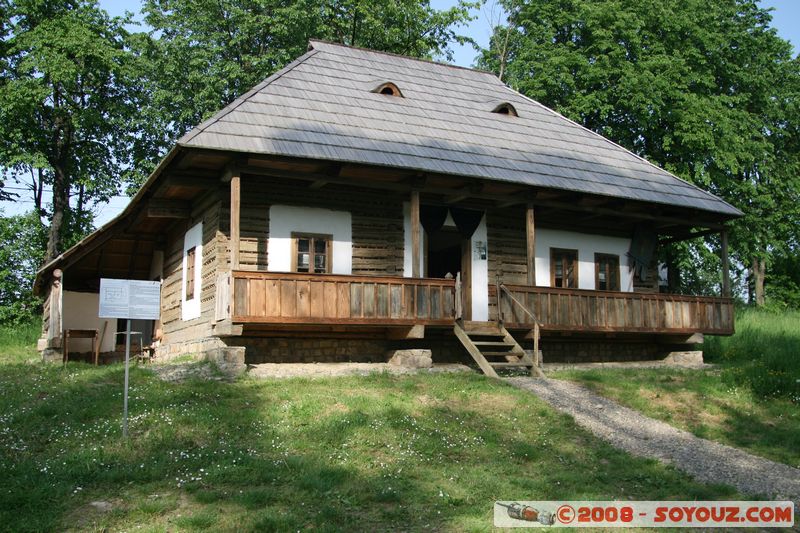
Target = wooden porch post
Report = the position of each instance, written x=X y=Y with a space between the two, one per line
x=530 y=233
x=54 y=331
x=235 y=217
x=726 y=275
x=415 y=235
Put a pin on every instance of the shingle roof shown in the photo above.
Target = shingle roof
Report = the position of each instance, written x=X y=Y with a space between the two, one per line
x=322 y=106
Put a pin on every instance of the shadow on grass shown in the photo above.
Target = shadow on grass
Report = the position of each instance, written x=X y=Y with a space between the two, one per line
x=371 y=453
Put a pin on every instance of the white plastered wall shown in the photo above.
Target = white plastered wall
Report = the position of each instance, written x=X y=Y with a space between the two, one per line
x=587 y=245
x=190 y=309
x=285 y=220
x=480 y=267
x=80 y=310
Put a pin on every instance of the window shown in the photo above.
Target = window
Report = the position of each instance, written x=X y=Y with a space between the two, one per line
x=389 y=89
x=312 y=253
x=564 y=268
x=190 y=260
x=191 y=268
x=506 y=109
x=606 y=277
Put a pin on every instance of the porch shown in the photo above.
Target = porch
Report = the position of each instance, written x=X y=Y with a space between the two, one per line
x=300 y=300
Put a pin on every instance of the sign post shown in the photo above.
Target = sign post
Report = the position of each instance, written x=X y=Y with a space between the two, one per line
x=129 y=299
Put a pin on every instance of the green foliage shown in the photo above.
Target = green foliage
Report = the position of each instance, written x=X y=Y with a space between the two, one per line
x=371 y=453
x=203 y=54
x=69 y=97
x=706 y=90
x=18 y=341
x=762 y=355
x=783 y=282
x=22 y=243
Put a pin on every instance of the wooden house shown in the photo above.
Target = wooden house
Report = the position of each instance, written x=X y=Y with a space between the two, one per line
x=357 y=205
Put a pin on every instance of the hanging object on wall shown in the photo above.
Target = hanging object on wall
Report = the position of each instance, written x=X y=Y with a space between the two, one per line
x=643 y=246
x=466 y=220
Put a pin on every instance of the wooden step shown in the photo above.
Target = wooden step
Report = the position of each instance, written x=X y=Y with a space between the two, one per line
x=492 y=343
x=482 y=328
x=503 y=354
x=508 y=365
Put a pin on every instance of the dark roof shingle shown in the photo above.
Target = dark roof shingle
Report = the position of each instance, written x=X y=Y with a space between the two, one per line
x=322 y=106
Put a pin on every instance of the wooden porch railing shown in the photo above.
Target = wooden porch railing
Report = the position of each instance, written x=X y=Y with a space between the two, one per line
x=600 y=311
x=297 y=298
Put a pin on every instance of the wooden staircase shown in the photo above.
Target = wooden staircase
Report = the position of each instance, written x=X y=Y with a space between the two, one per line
x=492 y=346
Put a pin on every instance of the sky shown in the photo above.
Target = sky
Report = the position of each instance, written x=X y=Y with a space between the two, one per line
x=786 y=19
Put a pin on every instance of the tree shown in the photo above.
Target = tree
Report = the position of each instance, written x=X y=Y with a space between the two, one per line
x=69 y=95
x=706 y=90
x=22 y=244
x=203 y=54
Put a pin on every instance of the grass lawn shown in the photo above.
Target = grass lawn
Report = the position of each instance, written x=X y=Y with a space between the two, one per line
x=701 y=402
x=359 y=454
x=750 y=401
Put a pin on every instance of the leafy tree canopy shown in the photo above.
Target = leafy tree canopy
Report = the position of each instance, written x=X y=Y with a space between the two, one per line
x=69 y=93
x=704 y=89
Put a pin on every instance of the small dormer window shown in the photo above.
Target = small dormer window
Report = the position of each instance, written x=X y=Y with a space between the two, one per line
x=389 y=89
x=505 y=109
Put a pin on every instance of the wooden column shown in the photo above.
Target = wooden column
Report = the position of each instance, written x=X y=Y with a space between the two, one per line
x=54 y=331
x=530 y=233
x=726 y=274
x=415 y=235
x=236 y=204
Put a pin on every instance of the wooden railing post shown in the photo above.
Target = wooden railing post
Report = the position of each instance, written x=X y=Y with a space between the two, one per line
x=499 y=292
x=458 y=303
x=726 y=274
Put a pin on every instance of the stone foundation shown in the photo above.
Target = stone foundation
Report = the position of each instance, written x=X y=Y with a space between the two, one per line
x=232 y=354
x=605 y=351
x=414 y=358
x=230 y=359
x=312 y=350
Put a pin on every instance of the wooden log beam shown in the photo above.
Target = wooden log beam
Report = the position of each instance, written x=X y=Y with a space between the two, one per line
x=416 y=331
x=236 y=203
x=530 y=234
x=542 y=199
x=415 y=235
x=686 y=236
x=726 y=274
x=165 y=208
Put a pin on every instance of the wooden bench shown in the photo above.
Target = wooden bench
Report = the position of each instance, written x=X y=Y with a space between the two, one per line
x=81 y=334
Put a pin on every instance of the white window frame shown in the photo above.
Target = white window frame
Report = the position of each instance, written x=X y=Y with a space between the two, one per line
x=190 y=309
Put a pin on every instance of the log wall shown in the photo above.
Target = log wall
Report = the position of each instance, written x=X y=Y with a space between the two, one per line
x=377 y=217
x=206 y=210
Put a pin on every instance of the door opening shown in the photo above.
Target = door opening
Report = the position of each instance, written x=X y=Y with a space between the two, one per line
x=444 y=253
x=448 y=253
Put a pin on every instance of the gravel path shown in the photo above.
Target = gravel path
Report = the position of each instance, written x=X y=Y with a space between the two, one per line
x=640 y=435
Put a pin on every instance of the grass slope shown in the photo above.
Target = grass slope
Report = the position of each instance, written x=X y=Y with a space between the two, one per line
x=750 y=401
x=361 y=454
x=763 y=355
x=701 y=402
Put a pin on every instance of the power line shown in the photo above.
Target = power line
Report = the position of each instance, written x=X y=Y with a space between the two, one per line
x=50 y=191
